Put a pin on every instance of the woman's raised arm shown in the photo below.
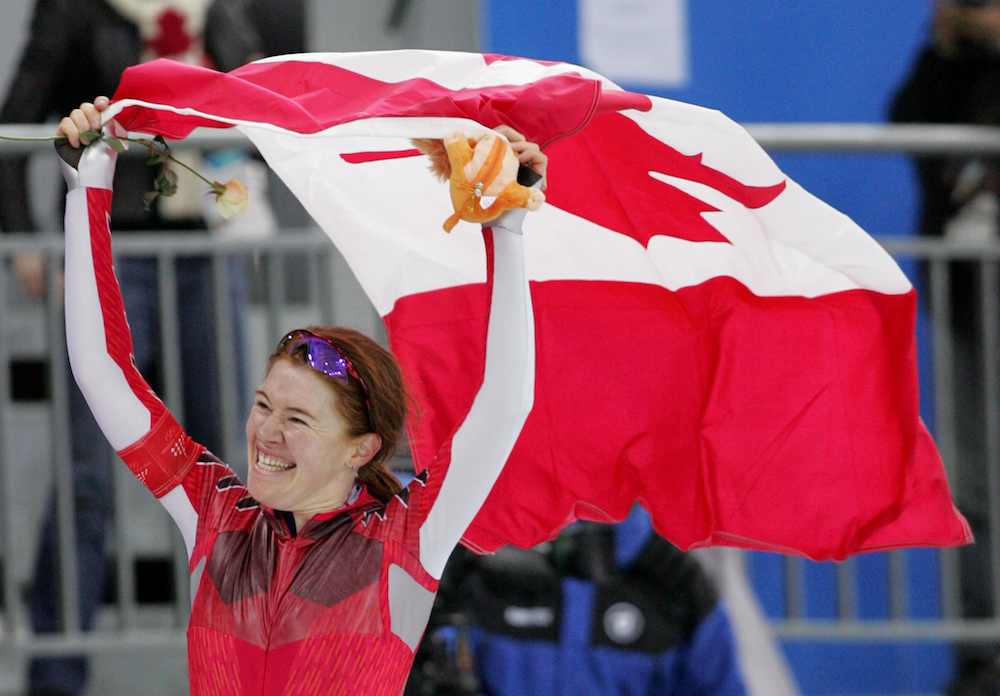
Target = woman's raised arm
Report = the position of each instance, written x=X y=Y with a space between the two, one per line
x=135 y=422
x=486 y=437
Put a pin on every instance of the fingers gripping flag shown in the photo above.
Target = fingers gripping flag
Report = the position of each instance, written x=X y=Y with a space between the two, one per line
x=711 y=340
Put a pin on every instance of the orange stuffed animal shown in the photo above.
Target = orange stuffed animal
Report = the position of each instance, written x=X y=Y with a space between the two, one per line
x=475 y=170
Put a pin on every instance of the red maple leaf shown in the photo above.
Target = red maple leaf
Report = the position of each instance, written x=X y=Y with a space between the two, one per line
x=602 y=174
x=172 y=38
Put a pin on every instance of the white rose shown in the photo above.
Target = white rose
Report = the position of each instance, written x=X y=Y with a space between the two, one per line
x=230 y=198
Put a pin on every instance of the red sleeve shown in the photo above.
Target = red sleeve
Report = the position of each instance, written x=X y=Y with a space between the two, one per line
x=163 y=457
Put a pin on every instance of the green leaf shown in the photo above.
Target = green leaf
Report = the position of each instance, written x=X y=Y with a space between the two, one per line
x=166 y=182
x=159 y=151
x=115 y=144
x=149 y=198
x=89 y=136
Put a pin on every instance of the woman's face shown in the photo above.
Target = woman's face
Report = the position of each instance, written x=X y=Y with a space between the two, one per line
x=300 y=455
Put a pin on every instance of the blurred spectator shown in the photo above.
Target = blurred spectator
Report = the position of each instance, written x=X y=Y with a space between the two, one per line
x=76 y=51
x=956 y=79
x=611 y=610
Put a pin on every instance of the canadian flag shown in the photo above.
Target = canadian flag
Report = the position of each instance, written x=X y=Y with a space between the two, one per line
x=710 y=339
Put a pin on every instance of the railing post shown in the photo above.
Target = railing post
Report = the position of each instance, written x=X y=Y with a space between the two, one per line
x=174 y=397
x=224 y=337
x=944 y=412
x=63 y=465
x=11 y=604
x=990 y=309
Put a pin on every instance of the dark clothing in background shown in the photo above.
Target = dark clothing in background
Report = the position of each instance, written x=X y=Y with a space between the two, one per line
x=616 y=611
x=77 y=50
x=964 y=88
x=958 y=194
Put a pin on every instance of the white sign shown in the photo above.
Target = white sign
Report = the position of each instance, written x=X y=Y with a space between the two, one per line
x=637 y=41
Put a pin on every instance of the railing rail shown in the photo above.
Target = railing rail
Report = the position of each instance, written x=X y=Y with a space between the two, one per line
x=924 y=139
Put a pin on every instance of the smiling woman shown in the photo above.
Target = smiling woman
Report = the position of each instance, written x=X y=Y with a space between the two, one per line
x=318 y=575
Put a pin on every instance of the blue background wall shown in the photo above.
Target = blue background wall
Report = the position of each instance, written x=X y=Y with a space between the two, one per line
x=773 y=61
x=782 y=61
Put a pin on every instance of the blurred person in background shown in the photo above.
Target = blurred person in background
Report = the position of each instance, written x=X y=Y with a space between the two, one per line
x=956 y=79
x=610 y=610
x=75 y=49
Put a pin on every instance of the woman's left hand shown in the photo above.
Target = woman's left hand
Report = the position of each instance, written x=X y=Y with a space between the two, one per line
x=527 y=153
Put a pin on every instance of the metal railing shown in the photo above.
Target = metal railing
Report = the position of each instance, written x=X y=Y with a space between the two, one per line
x=332 y=293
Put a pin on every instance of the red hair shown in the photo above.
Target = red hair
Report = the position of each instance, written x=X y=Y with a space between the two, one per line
x=379 y=407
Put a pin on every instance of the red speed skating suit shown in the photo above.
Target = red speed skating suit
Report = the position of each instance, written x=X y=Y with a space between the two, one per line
x=340 y=606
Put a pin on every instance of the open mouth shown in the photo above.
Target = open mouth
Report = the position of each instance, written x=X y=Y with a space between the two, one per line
x=271 y=465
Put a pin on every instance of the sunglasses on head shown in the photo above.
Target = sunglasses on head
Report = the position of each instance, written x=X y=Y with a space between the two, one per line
x=322 y=355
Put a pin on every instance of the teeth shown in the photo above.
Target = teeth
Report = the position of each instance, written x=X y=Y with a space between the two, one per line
x=272 y=463
x=486 y=201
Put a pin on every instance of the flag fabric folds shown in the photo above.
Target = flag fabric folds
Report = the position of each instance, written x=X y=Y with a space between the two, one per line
x=711 y=340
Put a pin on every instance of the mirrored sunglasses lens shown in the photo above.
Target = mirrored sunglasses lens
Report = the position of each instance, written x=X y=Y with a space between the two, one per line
x=323 y=357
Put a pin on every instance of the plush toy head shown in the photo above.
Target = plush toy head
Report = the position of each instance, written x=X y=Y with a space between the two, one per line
x=478 y=170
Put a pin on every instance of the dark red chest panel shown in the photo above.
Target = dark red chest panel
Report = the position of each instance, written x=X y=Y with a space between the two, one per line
x=266 y=587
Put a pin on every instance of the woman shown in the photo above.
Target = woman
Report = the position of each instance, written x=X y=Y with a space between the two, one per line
x=318 y=575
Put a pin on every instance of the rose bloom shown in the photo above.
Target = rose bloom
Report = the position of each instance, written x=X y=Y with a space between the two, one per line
x=231 y=198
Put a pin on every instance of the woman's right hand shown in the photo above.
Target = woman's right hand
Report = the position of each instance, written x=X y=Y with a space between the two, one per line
x=86 y=117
